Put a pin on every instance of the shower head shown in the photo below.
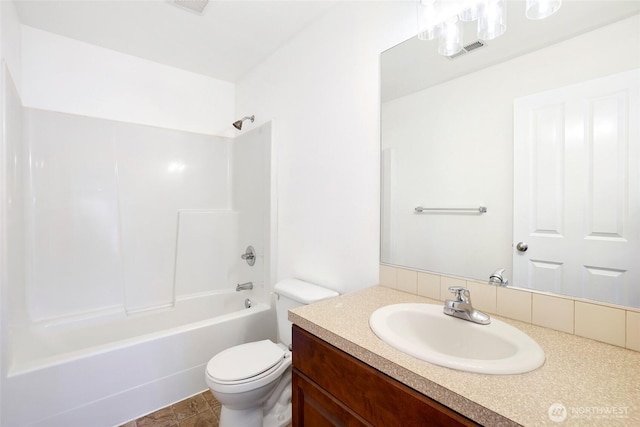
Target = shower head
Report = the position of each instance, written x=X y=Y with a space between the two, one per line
x=238 y=124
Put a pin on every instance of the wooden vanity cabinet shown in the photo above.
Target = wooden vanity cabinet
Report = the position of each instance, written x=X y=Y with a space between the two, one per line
x=332 y=388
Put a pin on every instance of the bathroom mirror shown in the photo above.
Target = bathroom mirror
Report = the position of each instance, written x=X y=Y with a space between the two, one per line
x=538 y=126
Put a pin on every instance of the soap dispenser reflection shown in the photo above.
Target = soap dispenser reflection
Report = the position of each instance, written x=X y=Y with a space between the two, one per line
x=497 y=278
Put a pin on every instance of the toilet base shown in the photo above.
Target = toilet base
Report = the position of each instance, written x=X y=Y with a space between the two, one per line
x=280 y=414
x=240 y=417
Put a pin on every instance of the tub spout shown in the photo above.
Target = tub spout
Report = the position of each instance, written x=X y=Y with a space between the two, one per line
x=244 y=286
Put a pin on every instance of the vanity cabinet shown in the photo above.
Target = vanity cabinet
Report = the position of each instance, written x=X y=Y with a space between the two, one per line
x=332 y=388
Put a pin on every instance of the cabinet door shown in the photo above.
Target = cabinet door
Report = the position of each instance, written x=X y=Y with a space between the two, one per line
x=314 y=407
x=348 y=392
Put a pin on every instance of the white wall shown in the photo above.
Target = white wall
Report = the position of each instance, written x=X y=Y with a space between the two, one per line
x=65 y=75
x=453 y=146
x=322 y=88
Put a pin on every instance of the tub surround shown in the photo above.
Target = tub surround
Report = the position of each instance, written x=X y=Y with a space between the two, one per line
x=585 y=376
x=126 y=219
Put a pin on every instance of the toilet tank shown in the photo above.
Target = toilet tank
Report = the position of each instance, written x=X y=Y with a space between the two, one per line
x=294 y=293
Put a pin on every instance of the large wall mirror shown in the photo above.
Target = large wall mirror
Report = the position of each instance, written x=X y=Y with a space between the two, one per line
x=541 y=128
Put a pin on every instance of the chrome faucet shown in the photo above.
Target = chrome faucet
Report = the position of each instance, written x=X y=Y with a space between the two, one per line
x=497 y=278
x=244 y=286
x=461 y=307
x=249 y=255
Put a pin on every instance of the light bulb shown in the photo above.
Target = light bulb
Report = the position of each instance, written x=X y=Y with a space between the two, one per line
x=492 y=19
x=470 y=13
x=450 y=37
x=427 y=21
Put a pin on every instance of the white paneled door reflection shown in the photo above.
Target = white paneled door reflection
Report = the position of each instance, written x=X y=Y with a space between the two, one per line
x=577 y=189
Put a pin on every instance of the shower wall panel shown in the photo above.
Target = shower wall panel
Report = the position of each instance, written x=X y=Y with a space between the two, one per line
x=251 y=199
x=102 y=216
x=72 y=216
x=207 y=252
x=13 y=187
x=161 y=171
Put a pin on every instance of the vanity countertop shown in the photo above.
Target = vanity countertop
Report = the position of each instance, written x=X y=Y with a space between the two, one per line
x=598 y=384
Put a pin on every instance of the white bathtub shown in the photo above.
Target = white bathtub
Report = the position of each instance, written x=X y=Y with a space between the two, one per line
x=108 y=370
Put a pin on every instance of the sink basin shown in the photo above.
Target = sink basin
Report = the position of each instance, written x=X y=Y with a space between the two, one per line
x=425 y=332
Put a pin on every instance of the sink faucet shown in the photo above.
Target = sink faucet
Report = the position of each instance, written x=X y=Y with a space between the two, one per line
x=461 y=307
x=497 y=278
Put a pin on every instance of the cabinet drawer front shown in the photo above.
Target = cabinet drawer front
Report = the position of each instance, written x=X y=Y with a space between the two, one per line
x=314 y=407
x=376 y=397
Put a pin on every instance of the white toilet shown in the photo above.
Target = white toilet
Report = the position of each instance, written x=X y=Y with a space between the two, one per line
x=253 y=381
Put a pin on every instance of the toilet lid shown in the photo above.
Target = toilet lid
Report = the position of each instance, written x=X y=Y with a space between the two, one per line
x=245 y=361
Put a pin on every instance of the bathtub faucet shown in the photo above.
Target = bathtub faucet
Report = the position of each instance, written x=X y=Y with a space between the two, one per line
x=244 y=286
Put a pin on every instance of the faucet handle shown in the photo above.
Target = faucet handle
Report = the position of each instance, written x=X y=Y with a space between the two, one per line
x=461 y=293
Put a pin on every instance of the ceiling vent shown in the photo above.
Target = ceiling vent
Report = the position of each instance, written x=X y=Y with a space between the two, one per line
x=196 y=6
x=468 y=48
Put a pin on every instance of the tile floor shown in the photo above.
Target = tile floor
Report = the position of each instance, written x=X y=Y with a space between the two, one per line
x=201 y=410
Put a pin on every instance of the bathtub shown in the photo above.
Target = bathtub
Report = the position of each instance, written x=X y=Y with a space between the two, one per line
x=107 y=370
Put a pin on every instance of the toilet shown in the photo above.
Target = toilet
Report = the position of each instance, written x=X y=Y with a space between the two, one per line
x=253 y=381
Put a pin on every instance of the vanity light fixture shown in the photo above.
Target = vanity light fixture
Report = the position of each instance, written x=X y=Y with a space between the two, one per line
x=444 y=19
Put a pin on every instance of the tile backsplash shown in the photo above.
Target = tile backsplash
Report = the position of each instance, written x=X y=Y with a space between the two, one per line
x=600 y=322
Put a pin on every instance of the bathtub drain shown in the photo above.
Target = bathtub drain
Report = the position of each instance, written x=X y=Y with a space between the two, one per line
x=247 y=303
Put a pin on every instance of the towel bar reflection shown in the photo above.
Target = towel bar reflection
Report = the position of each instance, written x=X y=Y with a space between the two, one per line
x=480 y=209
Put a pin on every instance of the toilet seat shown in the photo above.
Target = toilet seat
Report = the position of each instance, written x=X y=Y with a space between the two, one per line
x=245 y=362
x=221 y=370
